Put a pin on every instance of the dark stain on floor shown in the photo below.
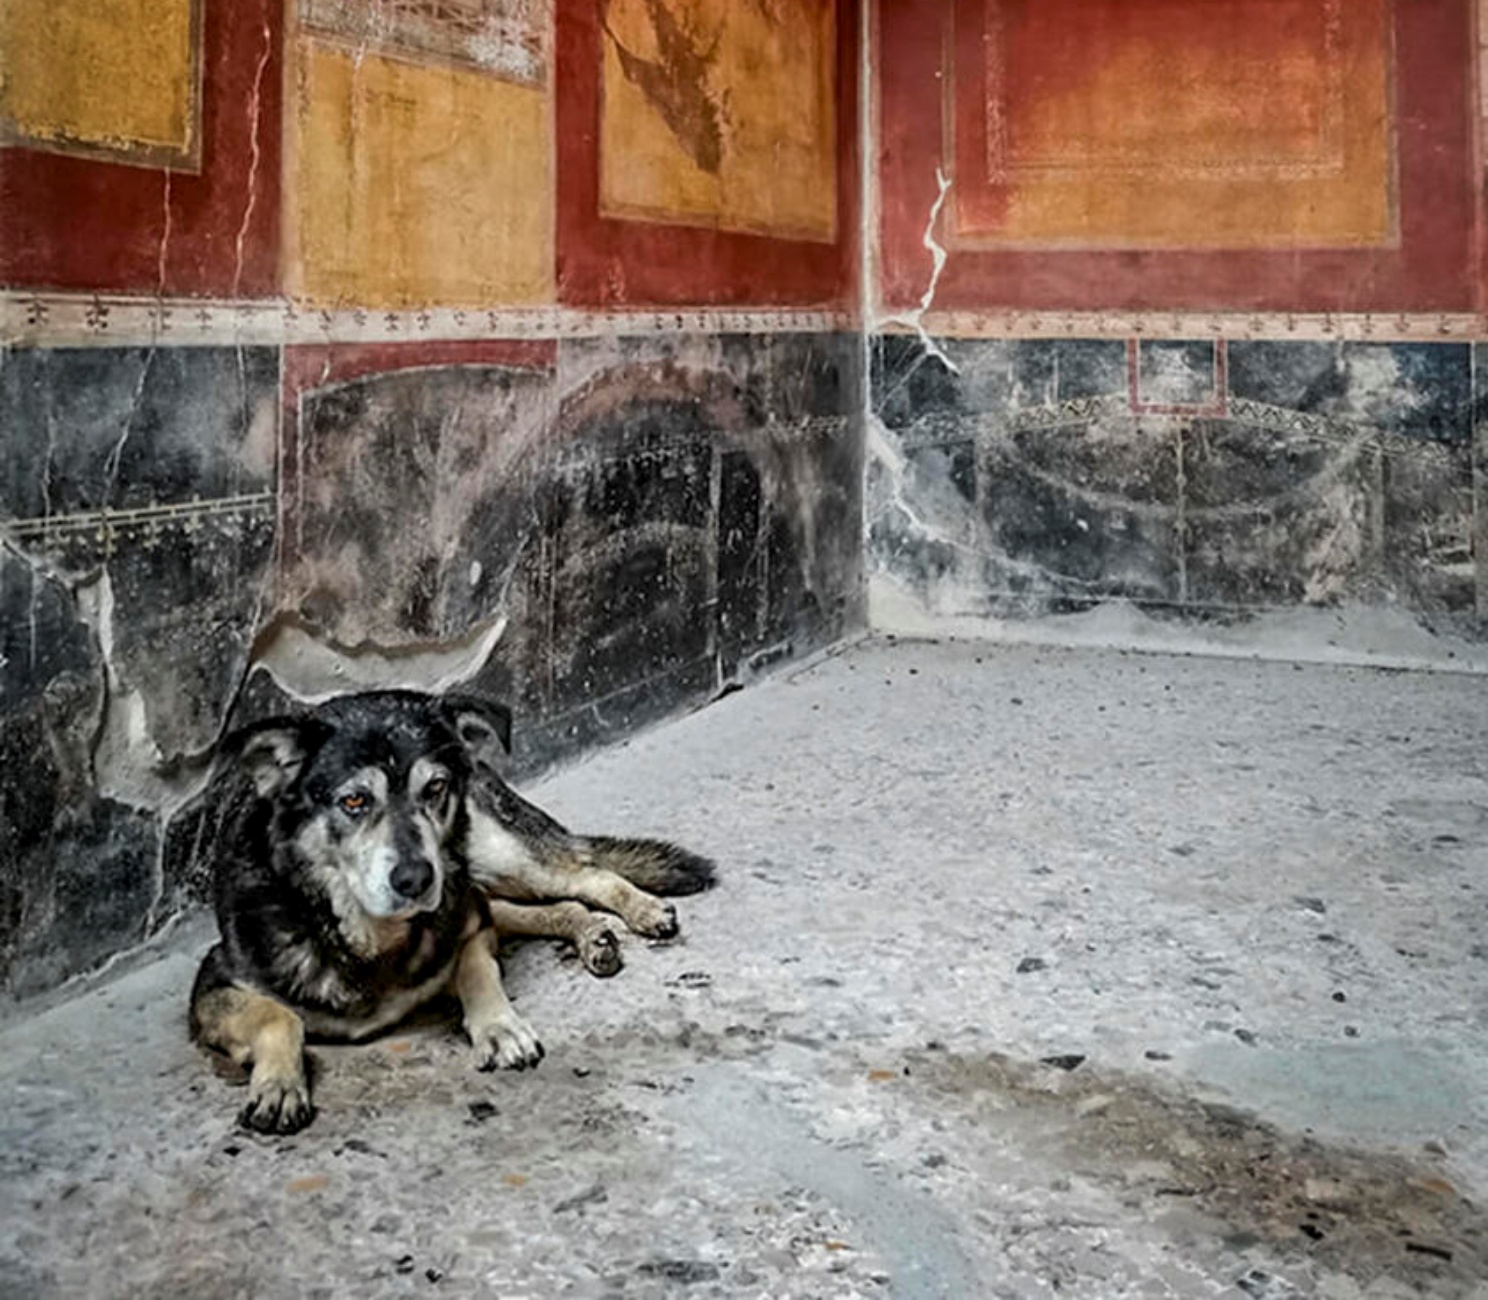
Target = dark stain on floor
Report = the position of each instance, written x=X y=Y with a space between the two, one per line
x=1203 y=1168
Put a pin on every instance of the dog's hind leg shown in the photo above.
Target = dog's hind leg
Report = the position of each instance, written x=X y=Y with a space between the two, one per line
x=509 y=863
x=499 y=1035
x=571 y=877
x=518 y=851
x=593 y=936
x=643 y=913
x=252 y=1029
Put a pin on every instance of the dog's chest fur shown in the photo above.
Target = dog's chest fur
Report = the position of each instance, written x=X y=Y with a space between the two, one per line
x=351 y=981
x=354 y=1013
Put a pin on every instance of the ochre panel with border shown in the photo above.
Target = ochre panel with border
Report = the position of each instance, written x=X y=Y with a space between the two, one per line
x=416 y=185
x=706 y=152
x=153 y=217
x=721 y=114
x=1125 y=161
x=118 y=79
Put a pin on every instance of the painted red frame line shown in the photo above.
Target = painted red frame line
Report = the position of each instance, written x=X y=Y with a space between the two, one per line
x=1221 y=367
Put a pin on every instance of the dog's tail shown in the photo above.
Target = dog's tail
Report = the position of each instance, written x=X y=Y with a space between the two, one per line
x=657 y=866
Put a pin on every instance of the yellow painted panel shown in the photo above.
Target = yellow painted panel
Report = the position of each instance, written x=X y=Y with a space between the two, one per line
x=416 y=186
x=721 y=113
x=110 y=75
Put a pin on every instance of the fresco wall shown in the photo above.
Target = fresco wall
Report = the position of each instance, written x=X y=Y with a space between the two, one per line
x=1177 y=304
x=518 y=343
x=495 y=341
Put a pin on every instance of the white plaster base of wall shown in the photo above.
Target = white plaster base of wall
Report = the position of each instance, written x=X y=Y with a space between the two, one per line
x=1349 y=635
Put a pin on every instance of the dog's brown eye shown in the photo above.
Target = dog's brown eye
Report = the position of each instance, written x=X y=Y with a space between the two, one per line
x=355 y=803
x=436 y=789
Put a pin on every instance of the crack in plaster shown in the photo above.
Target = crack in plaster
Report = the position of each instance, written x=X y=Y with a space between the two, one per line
x=116 y=453
x=165 y=234
x=916 y=318
x=51 y=454
x=46 y=508
x=115 y=456
x=882 y=451
x=959 y=587
x=40 y=573
x=254 y=155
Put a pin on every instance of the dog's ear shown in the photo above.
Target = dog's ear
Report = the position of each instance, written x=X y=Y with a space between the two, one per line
x=272 y=752
x=483 y=725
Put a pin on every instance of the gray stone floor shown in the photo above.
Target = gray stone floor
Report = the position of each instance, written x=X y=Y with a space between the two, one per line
x=1031 y=972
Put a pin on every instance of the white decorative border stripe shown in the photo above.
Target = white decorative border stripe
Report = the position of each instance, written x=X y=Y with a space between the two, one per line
x=1383 y=327
x=147 y=523
x=76 y=320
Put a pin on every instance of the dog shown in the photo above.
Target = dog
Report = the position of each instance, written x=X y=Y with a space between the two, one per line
x=368 y=858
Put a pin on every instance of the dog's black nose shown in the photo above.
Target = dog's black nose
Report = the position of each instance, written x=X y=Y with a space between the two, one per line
x=411 y=877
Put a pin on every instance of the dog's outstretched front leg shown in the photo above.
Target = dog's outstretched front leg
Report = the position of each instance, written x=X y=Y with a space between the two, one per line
x=499 y=1035
x=598 y=945
x=251 y=1028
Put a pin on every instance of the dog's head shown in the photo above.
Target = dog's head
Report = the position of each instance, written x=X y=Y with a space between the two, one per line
x=369 y=790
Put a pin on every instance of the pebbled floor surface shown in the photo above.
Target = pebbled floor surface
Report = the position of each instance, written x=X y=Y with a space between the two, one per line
x=1030 y=972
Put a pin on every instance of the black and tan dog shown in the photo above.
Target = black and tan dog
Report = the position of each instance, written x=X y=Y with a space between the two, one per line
x=367 y=866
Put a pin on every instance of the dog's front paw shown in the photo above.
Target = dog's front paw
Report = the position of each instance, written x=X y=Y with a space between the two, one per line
x=506 y=1044
x=277 y=1105
x=654 y=920
x=599 y=950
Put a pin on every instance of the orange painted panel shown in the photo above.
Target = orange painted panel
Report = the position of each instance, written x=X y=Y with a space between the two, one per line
x=1173 y=124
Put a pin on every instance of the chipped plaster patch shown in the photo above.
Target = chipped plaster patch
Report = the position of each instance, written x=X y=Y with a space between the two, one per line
x=312 y=670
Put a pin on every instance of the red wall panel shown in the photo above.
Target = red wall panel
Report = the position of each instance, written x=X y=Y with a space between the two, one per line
x=608 y=262
x=1433 y=268
x=77 y=224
